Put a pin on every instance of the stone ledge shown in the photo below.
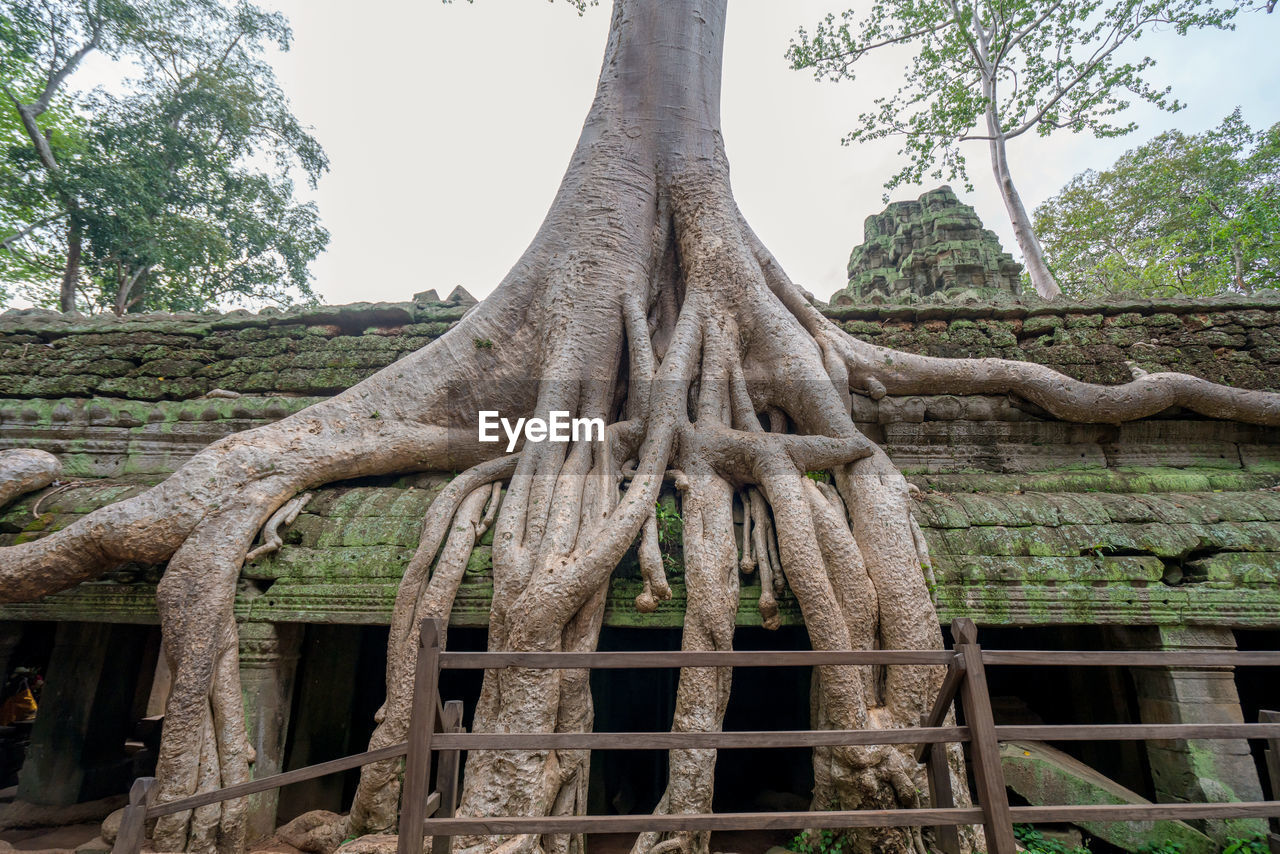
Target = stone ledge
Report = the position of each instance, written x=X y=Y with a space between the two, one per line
x=1011 y=558
x=985 y=602
x=319 y=350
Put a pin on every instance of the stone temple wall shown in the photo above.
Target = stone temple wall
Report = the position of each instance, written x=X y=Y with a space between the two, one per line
x=1163 y=532
x=1031 y=521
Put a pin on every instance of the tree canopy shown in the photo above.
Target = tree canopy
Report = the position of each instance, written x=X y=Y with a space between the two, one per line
x=174 y=193
x=994 y=70
x=1057 y=64
x=1193 y=214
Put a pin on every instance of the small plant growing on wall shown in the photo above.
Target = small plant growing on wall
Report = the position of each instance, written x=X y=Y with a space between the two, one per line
x=1036 y=842
x=818 y=842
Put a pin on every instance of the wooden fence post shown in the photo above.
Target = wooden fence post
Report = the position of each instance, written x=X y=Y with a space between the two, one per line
x=935 y=755
x=997 y=820
x=940 y=794
x=133 y=824
x=422 y=723
x=447 y=775
x=1272 y=754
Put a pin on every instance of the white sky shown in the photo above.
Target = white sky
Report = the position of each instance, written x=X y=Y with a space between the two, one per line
x=449 y=126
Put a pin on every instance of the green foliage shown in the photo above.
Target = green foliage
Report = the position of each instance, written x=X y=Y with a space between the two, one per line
x=180 y=185
x=1035 y=842
x=580 y=5
x=670 y=524
x=996 y=69
x=670 y=532
x=1254 y=845
x=25 y=198
x=1193 y=214
x=1165 y=847
x=818 y=842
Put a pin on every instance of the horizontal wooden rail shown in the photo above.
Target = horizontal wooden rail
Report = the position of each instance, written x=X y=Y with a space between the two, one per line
x=793 y=738
x=437 y=729
x=1134 y=732
x=840 y=819
x=676 y=658
x=1146 y=812
x=275 y=781
x=856 y=657
x=1129 y=658
x=703 y=821
x=690 y=740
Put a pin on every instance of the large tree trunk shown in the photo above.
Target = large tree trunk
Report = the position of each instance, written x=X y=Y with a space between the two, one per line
x=1041 y=279
x=644 y=300
x=1237 y=260
x=71 y=270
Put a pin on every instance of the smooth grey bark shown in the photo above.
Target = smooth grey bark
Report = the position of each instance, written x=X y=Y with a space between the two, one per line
x=1023 y=231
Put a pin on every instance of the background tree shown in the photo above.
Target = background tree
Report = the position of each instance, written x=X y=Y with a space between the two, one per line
x=646 y=300
x=993 y=70
x=38 y=134
x=1193 y=214
x=175 y=194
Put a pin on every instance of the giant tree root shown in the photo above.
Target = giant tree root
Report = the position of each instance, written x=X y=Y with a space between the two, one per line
x=645 y=301
x=23 y=470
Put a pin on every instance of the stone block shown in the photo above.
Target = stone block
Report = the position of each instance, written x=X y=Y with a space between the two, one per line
x=1045 y=775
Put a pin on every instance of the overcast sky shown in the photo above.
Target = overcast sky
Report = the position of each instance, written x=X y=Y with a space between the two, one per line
x=448 y=127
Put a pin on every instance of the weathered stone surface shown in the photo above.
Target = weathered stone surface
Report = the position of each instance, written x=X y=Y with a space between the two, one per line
x=314 y=351
x=1031 y=521
x=1044 y=775
x=1070 y=554
x=935 y=245
x=268 y=654
x=21 y=814
x=1197 y=771
x=111 y=825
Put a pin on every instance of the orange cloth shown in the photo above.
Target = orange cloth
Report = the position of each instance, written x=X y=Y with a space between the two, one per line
x=20 y=707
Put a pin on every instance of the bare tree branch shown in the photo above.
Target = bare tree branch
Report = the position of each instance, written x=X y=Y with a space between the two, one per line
x=14 y=238
x=57 y=77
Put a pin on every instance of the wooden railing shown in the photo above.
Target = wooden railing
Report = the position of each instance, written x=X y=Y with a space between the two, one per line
x=437 y=727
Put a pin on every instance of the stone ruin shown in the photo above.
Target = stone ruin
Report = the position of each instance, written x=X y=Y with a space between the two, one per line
x=934 y=247
x=1157 y=534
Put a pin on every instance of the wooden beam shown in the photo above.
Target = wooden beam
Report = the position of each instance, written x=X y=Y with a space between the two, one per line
x=702 y=821
x=1134 y=732
x=627 y=660
x=133 y=824
x=1146 y=812
x=985 y=749
x=1272 y=756
x=691 y=740
x=938 y=771
x=942 y=703
x=422 y=724
x=275 y=781
x=1130 y=658
x=447 y=776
